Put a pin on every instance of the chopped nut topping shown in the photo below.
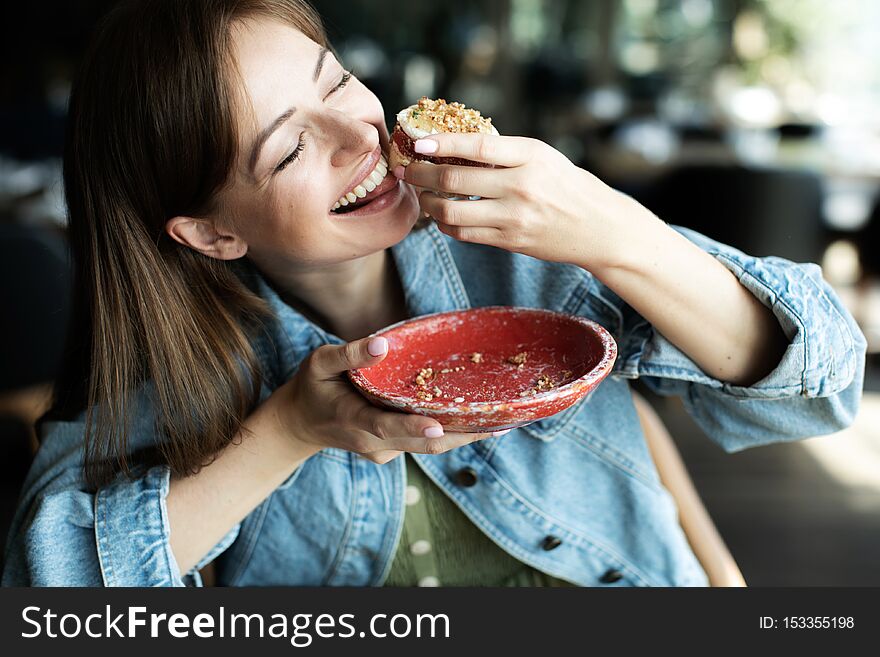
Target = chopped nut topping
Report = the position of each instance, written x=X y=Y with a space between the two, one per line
x=519 y=360
x=476 y=357
x=424 y=395
x=437 y=391
x=450 y=117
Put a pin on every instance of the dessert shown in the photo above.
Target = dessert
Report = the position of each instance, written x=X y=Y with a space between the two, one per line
x=430 y=117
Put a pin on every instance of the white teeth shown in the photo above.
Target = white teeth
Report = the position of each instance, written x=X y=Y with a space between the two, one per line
x=367 y=185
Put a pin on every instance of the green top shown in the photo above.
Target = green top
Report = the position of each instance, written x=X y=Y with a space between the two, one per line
x=440 y=546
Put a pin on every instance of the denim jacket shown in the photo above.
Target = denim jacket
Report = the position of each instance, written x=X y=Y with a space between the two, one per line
x=584 y=475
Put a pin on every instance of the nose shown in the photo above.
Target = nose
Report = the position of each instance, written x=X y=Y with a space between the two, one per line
x=350 y=137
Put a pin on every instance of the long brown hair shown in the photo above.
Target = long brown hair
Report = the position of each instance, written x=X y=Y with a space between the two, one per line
x=151 y=135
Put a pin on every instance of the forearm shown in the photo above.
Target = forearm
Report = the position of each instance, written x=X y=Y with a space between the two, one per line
x=202 y=508
x=694 y=301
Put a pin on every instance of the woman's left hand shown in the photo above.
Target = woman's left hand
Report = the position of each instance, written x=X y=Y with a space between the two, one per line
x=535 y=201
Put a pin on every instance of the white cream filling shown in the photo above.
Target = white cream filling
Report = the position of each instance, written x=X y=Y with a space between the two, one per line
x=412 y=131
x=367 y=185
x=415 y=132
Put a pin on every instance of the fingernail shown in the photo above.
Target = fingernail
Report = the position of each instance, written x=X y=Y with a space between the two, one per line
x=433 y=432
x=425 y=146
x=398 y=171
x=500 y=433
x=377 y=346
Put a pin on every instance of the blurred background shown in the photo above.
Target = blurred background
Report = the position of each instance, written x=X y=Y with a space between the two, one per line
x=756 y=122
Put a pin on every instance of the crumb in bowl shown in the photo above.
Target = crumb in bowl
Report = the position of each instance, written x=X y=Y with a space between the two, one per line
x=425 y=374
x=543 y=384
x=422 y=380
x=425 y=379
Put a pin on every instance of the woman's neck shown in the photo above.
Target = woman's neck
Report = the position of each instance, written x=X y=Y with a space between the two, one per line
x=350 y=299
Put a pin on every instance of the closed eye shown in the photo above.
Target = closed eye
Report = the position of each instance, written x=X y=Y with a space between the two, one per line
x=346 y=76
x=295 y=154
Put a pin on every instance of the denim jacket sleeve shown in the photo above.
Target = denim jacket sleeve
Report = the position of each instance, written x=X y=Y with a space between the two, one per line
x=64 y=535
x=816 y=387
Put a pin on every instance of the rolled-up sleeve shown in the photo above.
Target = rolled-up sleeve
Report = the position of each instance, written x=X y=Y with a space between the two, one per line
x=815 y=388
x=64 y=535
x=135 y=510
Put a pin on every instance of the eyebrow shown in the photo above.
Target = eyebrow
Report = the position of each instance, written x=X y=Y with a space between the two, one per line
x=319 y=64
x=272 y=127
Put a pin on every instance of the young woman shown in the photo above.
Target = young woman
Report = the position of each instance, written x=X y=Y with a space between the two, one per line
x=204 y=415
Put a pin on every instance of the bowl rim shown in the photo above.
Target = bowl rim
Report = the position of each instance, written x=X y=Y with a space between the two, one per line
x=596 y=373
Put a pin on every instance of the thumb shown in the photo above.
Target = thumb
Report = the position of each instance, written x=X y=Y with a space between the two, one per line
x=335 y=359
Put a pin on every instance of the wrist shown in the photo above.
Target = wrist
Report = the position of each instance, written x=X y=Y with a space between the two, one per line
x=286 y=427
x=636 y=237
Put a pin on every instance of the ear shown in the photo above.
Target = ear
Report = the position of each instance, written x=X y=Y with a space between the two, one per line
x=203 y=236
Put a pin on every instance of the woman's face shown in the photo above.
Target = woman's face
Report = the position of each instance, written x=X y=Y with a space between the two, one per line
x=309 y=133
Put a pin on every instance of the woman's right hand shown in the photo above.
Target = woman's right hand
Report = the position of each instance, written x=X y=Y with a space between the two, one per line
x=322 y=408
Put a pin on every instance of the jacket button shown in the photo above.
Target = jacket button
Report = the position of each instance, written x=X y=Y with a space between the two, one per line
x=551 y=543
x=466 y=477
x=611 y=576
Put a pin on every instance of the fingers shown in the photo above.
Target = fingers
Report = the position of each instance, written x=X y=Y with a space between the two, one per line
x=455 y=179
x=390 y=427
x=328 y=361
x=383 y=457
x=483 y=222
x=484 y=212
x=381 y=431
x=490 y=149
x=447 y=442
x=475 y=234
x=434 y=446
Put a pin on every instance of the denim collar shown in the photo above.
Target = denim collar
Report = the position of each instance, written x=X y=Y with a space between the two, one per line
x=431 y=284
x=431 y=281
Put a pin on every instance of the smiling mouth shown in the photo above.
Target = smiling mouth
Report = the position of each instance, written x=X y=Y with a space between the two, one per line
x=373 y=185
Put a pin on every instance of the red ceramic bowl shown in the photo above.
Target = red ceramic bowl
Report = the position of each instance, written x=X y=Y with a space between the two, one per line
x=531 y=364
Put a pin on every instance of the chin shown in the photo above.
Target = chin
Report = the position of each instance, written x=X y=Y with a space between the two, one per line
x=410 y=204
x=410 y=214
